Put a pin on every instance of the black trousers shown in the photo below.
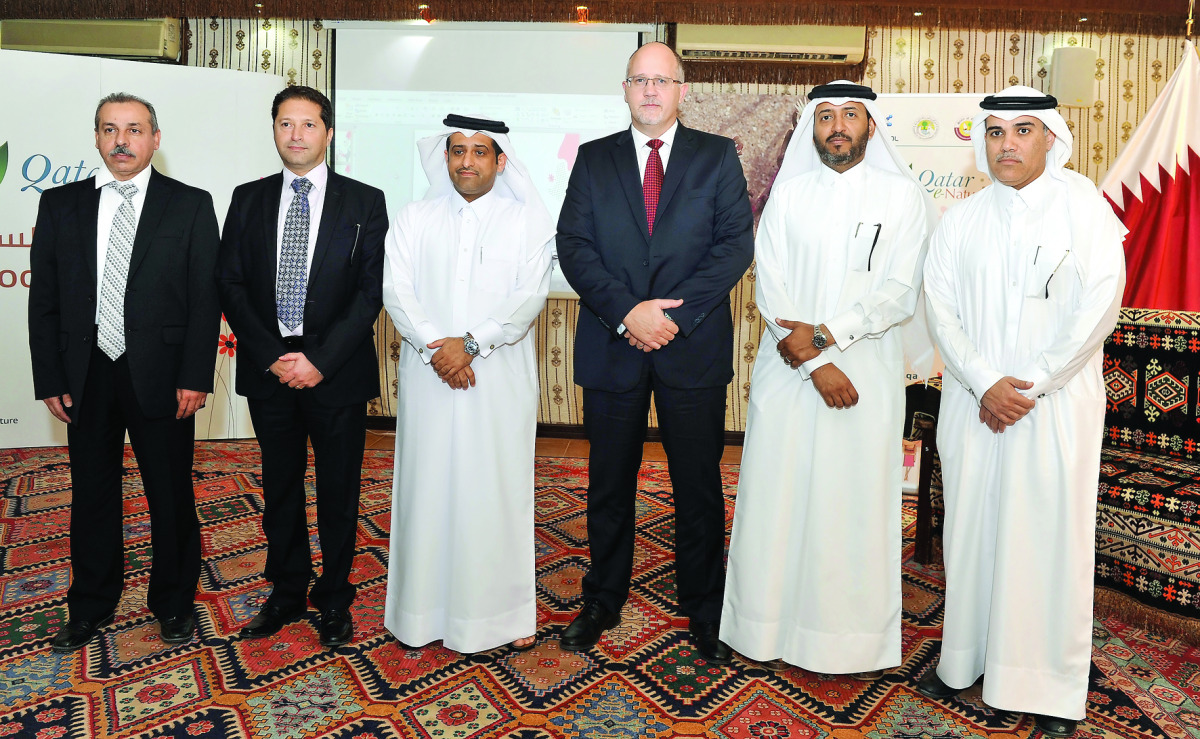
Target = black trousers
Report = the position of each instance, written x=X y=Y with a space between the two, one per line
x=163 y=447
x=283 y=424
x=692 y=423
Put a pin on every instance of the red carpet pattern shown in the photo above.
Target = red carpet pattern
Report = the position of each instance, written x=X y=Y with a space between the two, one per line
x=643 y=680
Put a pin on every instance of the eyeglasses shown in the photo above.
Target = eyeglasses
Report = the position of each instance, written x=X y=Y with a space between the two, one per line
x=658 y=82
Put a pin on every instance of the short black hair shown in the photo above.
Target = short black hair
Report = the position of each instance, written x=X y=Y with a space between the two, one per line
x=303 y=92
x=495 y=144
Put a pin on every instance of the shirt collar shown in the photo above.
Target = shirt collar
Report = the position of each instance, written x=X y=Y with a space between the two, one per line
x=1031 y=195
x=480 y=205
x=141 y=179
x=854 y=176
x=318 y=176
x=668 y=136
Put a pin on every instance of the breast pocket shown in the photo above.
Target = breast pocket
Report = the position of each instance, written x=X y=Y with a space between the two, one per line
x=496 y=275
x=865 y=247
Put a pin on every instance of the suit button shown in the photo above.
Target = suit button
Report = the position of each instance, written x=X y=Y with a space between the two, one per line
x=645 y=262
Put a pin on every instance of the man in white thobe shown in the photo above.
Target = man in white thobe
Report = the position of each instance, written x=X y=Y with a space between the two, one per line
x=1023 y=282
x=466 y=273
x=814 y=561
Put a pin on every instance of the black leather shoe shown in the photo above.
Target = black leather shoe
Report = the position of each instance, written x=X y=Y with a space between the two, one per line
x=270 y=620
x=931 y=686
x=336 y=627
x=1055 y=726
x=706 y=637
x=593 y=620
x=177 y=630
x=77 y=632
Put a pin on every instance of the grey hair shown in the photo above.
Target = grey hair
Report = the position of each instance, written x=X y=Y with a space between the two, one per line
x=124 y=97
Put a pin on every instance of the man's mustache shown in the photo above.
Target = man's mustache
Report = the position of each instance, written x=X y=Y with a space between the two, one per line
x=1009 y=157
x=838 y=137
x=121 y=149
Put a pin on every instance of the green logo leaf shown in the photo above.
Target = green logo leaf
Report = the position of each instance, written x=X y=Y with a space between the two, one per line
x=3 y=160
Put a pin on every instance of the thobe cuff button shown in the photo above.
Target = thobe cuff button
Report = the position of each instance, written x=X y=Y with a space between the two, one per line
x=493 y=346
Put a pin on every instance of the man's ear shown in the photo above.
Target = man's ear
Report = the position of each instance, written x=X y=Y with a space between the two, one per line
x=500 y=162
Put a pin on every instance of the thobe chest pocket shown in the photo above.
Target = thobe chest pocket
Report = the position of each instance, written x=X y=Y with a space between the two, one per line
x=865 y=243
x=496 y=274
x=1051 y=274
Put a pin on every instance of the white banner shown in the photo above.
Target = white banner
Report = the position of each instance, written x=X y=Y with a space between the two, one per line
x=216 y=134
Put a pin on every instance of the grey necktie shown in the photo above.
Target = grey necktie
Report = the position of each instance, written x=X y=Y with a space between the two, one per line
x=291 y=284
x=111 y=325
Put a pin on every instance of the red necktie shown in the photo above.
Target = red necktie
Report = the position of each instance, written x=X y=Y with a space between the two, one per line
x=652 y=183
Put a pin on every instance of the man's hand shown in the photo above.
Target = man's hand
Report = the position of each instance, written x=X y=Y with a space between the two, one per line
x=1004 y=402
x=58 y=405
x=989 y=420
x=302 y=373
x=797 y=348
x=279 y=368
x=649 y=326
x=189 y=401
x=637 y=344
x=835 y=388
x=450 y=357
x=464 y=379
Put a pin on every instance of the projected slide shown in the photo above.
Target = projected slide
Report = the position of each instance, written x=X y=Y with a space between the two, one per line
x=377 y=131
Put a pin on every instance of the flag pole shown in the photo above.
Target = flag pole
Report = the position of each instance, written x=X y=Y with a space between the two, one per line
x=1191 y=11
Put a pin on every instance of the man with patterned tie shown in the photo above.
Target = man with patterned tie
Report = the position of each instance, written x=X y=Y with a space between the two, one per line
x=123 y=324
x=654 y=233
x=301 y=279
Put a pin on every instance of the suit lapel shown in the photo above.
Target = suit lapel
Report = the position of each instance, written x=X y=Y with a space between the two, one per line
x=272 y=191
x=89 y=212
x=684 y=148
x=626 y=164
x=329 y=216
x=158 y=194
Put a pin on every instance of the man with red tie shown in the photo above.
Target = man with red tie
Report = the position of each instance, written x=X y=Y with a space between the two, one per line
x=655 y=231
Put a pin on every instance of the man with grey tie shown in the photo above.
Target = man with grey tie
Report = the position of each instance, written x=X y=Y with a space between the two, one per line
x=301 y=279
x=123 y=325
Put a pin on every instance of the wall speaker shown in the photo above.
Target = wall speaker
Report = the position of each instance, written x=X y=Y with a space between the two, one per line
x=1073 y=76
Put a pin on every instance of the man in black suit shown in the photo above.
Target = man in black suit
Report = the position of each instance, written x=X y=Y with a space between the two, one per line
x=301 y=281
x=654 y=233
x=123 y=325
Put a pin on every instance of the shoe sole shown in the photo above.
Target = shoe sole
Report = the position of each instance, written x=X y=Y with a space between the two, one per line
x=284 y=622
x=102 y=623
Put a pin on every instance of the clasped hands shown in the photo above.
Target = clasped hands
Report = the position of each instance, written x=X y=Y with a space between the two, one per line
x=830 y=382
x=647 y=326
x=452 y=363
x=1002 y=406
x=294 y=370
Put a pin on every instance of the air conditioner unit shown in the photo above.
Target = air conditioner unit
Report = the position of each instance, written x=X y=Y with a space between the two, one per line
x=156 y=38
x=785 y=44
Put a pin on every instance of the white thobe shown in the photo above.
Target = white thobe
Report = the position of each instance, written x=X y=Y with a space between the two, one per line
x=814 y=560
x=1023 y=283
x=461 y=565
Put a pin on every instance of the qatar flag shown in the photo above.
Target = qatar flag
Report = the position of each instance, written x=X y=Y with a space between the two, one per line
x=1154 y=186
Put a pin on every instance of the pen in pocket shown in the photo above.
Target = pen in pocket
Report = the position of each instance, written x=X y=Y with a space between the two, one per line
x=354 y=249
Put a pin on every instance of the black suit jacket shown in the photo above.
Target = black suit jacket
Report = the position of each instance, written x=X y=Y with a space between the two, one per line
x=172 y=317
x=702 y=245
x=345 y=288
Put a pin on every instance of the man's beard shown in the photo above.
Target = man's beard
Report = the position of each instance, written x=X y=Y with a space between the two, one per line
x=856 y=151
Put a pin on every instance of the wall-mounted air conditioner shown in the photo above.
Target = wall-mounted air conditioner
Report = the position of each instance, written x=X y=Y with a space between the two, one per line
x=784 y=44
x=157 y=38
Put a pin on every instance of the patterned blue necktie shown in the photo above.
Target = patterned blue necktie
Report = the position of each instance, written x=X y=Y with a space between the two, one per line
x=291 y=284
x=110 y=327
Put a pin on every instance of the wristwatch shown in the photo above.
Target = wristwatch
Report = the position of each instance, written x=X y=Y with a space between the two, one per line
x=820 y=340
x=470 y=345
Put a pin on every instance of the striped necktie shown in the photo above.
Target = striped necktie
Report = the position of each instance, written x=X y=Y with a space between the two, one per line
x=110 y=333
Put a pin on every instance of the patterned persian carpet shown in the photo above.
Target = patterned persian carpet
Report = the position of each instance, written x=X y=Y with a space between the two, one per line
x=643 y=680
